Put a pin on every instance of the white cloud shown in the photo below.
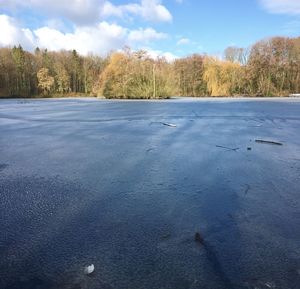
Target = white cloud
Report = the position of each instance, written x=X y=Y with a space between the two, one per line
x=153 y=10
x=291 y=7
x=183 y=41
x=150 y=10
x=83 y=12
x=145 y=35
x=110 y=9
x=13 y=34
x=169 y=56
x=99 y=38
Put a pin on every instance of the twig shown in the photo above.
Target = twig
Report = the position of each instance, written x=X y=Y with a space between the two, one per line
x=169 y=124
x=150 y=149
x=231 y=149
x=268 y=142
x=164 y=123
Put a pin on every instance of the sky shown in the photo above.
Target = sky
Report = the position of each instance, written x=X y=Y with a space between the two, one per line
x=170 y=28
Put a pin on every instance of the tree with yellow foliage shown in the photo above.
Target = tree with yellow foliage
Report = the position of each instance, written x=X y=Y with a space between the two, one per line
x=223 y=78
x=135 y=75
x=45 y=81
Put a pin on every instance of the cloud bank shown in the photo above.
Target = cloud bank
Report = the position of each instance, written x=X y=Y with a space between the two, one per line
x=89 y=26
x=100 y=38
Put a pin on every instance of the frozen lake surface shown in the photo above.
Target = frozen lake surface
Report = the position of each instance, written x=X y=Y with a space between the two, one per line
x=86 y=181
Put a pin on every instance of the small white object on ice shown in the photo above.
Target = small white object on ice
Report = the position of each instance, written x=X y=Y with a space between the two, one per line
x=89 y=269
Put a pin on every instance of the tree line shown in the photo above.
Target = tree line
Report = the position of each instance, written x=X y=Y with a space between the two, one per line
x=270 y=67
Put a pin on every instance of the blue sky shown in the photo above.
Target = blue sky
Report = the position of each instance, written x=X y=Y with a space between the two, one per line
x=171 y=27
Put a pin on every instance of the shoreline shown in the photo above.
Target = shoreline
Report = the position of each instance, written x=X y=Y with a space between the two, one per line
x=175 y=98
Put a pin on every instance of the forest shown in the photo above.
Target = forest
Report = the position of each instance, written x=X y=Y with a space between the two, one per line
x=271 y=67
